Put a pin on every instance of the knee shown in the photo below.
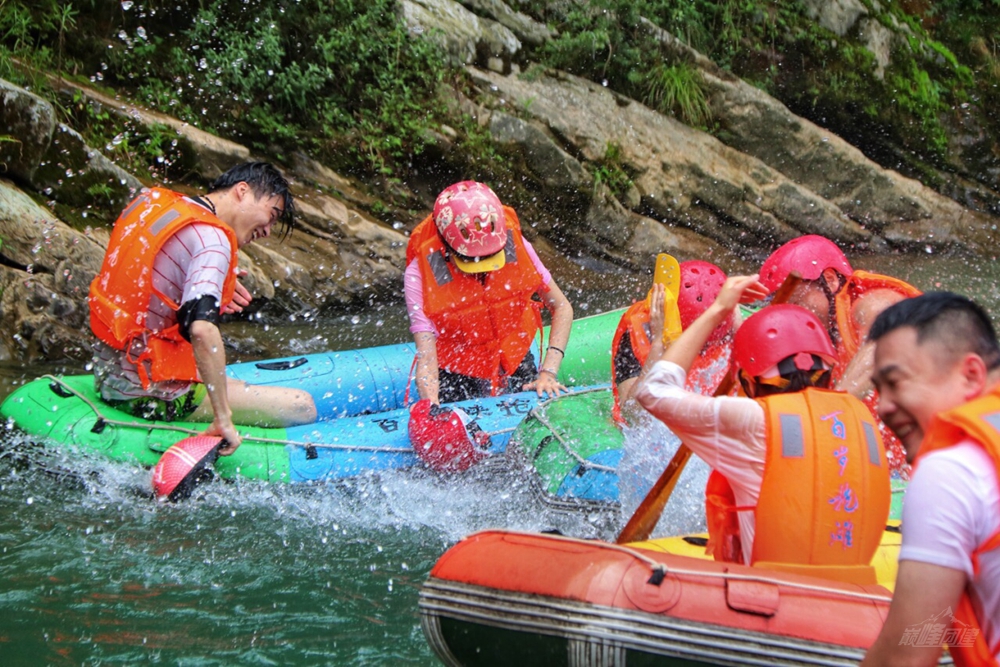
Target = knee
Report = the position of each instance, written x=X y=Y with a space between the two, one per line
x=305 y=408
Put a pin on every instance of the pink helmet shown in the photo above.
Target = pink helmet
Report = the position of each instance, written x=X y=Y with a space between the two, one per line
x=471 y=221
x=184 y=466
x=700 y=283
x=446 y=439
x=808 y=255
x=777 y=332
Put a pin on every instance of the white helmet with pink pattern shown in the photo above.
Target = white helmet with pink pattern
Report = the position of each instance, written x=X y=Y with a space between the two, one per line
x=470 y=219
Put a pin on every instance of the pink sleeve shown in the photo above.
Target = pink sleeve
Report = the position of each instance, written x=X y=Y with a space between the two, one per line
x=542 y=271
x=413 y=291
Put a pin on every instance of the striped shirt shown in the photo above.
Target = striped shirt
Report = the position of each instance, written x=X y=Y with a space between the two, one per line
x=193 y=263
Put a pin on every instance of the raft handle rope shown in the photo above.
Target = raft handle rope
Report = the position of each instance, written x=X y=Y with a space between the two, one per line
x=103 y=422
x=659 y=571
x=537 y=413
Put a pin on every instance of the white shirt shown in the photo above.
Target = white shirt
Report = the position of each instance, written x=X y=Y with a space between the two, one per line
x=728 y=433
x=952 y=505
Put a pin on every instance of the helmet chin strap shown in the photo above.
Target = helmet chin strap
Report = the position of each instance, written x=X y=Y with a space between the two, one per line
x=831 y=298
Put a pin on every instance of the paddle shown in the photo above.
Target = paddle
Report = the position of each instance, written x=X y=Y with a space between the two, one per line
x=668 y=274
x=185 y=465
x=646 y=516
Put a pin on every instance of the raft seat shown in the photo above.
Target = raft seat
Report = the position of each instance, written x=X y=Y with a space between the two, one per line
x=862 y=575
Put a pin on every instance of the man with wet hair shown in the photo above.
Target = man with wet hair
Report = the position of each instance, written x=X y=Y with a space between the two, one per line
x=169 y=272
x=937 y=368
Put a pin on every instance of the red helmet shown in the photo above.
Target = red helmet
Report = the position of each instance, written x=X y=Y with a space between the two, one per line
x=184 y=466
x=471 y=221
x=808 y=255
x=446 y=439
x=700 y=283
x=777 y=332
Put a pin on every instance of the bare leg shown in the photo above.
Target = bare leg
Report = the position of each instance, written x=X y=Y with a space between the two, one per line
x=261 y=405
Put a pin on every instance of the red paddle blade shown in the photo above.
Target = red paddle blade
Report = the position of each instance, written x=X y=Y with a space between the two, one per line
x=184 y=466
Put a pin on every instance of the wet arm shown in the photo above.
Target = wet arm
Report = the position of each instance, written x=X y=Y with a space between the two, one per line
x=922 y=591
x=562 y=321
x=210 y=357
x=688 y=346
x=427 y=366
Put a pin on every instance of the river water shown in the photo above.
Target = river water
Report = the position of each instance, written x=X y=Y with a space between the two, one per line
x=94 y=572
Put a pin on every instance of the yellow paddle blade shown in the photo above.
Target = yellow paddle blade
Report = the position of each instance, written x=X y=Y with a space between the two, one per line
x=668 y=274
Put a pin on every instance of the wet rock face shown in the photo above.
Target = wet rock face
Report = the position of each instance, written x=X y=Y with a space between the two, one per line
x=46 y=272
x=837 y=16
x=76 y=175
x=467 y=38
x=684 y=177
x=28 y=123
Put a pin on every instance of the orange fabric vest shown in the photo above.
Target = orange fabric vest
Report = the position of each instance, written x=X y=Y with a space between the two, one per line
x=119 y=295
x=980 y=421
x=825 y=494
x=484 y=328
x=850 y=341
x=857 y=285
x=635 y=321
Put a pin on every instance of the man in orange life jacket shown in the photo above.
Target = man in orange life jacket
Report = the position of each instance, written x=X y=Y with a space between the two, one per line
x=791 y=444
x=469 y=282
x=638 y=341
x=847 y=302
x=170 y=269
x=937 y=368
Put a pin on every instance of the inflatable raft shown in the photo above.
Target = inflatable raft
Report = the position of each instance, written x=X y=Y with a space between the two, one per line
x=507 y=598
x=360 y=396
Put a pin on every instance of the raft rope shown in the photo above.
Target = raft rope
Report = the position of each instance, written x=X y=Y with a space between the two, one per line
x=661 y=570
x=537 y=413
x=190 y=431
x=180 y=429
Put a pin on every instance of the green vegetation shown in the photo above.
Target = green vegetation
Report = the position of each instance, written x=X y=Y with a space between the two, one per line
x=777 y=47
x=611 y=172
x=677 y=89
x=341 y=79
x=345 y=81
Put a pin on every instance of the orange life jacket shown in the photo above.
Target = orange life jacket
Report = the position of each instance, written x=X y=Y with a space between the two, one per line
x=119 y=295
x=825 y=493
x=860 y=283
x=635 y=322
x=484 y=328
x=980 y=421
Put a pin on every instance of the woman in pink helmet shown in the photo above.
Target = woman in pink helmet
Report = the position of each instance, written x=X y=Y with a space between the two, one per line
x=470 y=282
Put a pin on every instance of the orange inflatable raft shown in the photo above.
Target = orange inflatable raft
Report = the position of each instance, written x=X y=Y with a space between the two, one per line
x=508 y=598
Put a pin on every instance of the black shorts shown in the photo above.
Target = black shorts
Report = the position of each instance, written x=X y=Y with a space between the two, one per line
x=456 y=387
